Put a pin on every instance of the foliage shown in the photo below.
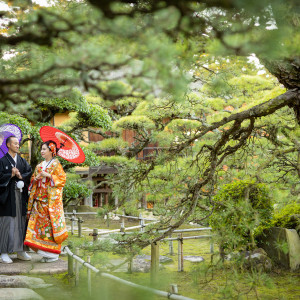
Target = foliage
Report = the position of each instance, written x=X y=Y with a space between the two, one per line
x=94 y=116
x=116 y=160
x=75 y=189
x=20 y=121
x=240 y=208
x=284 y=217
x=134 y=123
x=237 y=191
x=209 y=92
x=103 y=211
x=111 y=144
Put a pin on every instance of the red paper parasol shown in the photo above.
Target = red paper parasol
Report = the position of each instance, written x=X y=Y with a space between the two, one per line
x=68 y=149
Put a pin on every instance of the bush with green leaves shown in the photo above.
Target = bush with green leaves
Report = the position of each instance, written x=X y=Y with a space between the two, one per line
x=133 y=123
x=287 y=217
x=75 y=189
x=240 y=207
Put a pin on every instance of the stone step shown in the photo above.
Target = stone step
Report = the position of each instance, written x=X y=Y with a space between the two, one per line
x=33 y=267
x=19 y=281
x=19 y=294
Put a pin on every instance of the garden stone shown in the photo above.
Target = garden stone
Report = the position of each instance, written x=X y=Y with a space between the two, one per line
x=18 y=294
x=107 y=240
x=259 y=260
x=282 y=246
x=141 y=265
x=165 y=259
x=22 y=282
x=236 y=255
x=193 y=258
x=33 y=266
x=162 y=259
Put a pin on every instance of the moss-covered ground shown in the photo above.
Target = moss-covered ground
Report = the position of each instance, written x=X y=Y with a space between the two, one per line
x=204 y=280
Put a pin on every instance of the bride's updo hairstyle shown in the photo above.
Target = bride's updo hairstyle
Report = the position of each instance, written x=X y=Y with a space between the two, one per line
x=52 y=146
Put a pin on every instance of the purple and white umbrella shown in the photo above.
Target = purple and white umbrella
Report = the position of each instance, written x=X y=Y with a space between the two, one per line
x=7 y=130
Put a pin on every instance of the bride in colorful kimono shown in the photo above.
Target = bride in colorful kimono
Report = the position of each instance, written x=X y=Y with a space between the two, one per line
x=46 y=226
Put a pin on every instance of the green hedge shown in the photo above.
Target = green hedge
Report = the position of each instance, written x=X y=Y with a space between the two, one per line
x=286 y=217
x=236 y=216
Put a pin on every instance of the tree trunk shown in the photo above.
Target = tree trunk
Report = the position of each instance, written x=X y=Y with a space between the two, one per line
x=287 y=71
x=35 y=149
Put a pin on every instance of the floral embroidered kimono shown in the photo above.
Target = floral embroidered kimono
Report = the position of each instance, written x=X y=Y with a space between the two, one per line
x=46 y=227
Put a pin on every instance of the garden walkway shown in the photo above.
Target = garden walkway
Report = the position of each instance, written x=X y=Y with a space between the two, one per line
x=33 y=267
x=16 y=285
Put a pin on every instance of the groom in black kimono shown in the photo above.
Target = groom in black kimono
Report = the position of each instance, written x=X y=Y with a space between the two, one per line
x=15 y=172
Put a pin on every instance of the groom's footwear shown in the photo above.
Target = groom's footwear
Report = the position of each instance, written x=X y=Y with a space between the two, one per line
x=5 y=258
x=22 y=255
x=48 y=260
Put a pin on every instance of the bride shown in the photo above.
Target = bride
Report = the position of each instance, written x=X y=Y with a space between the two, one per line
x=46 y=226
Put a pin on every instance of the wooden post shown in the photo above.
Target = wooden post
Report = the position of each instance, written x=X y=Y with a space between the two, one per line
x=106 y=197
x=211 y=245
x=180 y=253
x=144 y=202
x=154 y=261
x=70 y=262
x=79 y=226
x=171 y=250
x=101 y=200
x=123 y=219
x=95 y=234
x=107 y=220
x=142 y=223
x=76 y=268
x=122 y=228
x=130 y=263
x=74 y=219
x=72 y=225
x=173 y=289
x=116 y=202
x=89 y=279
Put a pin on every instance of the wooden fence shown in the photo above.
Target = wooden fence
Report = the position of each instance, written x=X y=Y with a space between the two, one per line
x=123 y=217
x=180 y=238
x=73 y=268
x=96 y=232
x=154 y=247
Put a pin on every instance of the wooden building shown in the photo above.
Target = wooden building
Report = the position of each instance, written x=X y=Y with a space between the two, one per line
x=102 y=195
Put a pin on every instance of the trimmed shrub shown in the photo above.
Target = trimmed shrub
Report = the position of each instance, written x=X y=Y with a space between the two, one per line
x=240 y=207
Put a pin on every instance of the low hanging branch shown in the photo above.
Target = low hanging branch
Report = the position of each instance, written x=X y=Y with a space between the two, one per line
x=264 y=109
x=215 y=156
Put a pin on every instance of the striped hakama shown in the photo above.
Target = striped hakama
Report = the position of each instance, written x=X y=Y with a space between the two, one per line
x=13 y=229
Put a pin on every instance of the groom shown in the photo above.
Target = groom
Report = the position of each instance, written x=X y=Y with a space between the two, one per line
x=15 y=172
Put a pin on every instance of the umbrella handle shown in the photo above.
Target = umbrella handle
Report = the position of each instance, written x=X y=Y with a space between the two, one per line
x=62 y=144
